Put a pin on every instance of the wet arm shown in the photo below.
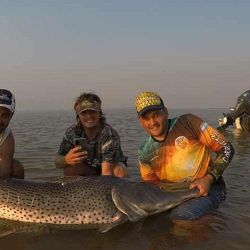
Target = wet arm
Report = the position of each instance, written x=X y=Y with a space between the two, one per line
x=111 y=152
x=6 y=156
x=107 y=168
x=60 y=161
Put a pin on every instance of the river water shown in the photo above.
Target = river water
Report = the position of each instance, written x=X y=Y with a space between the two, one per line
x=38 y=135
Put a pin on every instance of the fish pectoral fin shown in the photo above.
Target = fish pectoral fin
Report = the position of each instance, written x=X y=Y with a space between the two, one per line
x=105 y=228
x=126 y=206
x=119 y=218
x=138 y=200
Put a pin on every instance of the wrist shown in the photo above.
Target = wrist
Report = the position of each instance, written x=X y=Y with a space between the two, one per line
x=210 y=177
x=61 y=161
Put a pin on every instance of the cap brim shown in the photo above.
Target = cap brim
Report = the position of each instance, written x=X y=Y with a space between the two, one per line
x=150 y=108
x=92 y=109
x=7 y=107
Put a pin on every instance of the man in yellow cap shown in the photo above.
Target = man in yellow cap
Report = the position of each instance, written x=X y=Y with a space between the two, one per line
x=178 y=151
x=91 y=146
x=9 y=167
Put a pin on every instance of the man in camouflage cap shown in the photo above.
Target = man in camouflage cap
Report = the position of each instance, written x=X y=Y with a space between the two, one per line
x=91 y=146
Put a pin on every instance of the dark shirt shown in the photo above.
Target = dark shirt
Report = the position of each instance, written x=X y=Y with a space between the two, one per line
x=105 y=146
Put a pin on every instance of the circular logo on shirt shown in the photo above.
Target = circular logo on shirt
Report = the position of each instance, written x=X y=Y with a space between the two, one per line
x=181 y=142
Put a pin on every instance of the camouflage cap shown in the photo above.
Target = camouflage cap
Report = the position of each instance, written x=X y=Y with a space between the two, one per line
x=87 y=105
x=148 y=101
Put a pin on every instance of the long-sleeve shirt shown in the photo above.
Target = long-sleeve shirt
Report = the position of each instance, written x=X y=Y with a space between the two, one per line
x=186 y=152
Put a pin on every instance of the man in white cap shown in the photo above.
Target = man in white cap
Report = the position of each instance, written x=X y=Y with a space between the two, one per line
x=9 y=167
x=91 y=146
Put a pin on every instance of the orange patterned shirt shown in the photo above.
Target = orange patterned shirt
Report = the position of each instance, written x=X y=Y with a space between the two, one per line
x=185 y=153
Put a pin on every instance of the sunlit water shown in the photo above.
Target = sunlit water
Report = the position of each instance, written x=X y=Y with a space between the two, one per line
x=38 y=136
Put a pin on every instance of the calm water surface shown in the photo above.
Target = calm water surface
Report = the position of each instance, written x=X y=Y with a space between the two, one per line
x=38 y=136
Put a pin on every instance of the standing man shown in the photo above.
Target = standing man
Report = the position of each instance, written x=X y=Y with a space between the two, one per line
x=9 y=167
x=91 y=147
x=178 y=151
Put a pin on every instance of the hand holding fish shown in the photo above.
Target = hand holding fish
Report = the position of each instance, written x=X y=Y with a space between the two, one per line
x=203 y=184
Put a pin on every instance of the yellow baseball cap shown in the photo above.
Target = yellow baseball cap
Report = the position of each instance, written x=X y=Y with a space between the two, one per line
x=146 y=101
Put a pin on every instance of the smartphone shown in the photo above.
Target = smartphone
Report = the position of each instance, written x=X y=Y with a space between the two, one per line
x=81 y=142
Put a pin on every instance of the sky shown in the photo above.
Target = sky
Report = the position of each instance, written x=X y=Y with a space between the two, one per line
x=194 y=53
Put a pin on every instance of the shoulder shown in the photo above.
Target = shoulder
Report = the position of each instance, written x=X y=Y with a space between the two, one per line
x=193 y=123
x=189 y=116
x=108 y=131
x=190 y=119
x=6 y=134
x=72 y=131
x=146 y=147
x=8 y=146
x=144 y=143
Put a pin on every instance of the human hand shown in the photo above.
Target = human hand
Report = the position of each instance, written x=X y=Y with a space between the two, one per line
x=75 y=156
x=203 y=184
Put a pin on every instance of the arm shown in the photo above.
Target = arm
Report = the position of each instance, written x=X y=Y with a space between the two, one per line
x=60 y=161
x=68 y=154
x=223 y=149
x=203 y=184
x=6 y=156
x=107 y=168
x=216 y=142
x=111 y=152
x=222 y=160
x=147 y=173
x=73 y=157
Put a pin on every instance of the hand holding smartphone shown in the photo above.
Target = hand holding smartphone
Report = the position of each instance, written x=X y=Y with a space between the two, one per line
x=81 y=142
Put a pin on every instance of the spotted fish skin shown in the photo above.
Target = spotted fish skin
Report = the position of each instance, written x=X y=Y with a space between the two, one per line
x=67 y=201
x=101 y=202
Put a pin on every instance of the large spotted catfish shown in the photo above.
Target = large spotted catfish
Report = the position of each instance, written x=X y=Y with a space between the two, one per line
x=84 y=202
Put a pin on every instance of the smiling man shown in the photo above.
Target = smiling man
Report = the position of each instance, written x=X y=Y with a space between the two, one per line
x=91 y=147
x=9 y=167
x=178 y=151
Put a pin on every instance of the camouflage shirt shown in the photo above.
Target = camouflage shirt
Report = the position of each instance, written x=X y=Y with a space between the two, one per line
x=105 y=146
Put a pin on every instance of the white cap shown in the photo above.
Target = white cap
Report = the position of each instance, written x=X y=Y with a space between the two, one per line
x=7 y=100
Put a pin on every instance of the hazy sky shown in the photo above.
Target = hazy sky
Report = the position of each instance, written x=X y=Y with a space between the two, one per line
x=194 y=53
